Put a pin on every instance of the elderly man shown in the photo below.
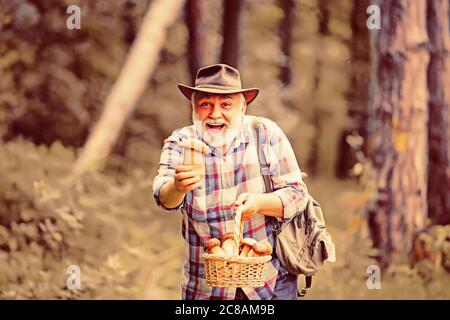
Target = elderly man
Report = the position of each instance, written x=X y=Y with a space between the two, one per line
x=232 y=178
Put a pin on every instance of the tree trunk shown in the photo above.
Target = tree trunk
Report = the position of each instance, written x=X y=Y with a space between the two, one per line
x=231 y=32
x=130 y=84
x=399 y=127
x=358 y=95
x=313 y=158
x=194 y=16
x=127 y=18
x=285 y=33
x=439 y=105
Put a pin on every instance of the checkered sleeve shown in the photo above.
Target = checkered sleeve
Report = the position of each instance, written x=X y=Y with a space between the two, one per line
x=171 y=156
x=285 y=172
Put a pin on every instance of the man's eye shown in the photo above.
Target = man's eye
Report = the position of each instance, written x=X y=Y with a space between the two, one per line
x=227 y=105
x=204 y=104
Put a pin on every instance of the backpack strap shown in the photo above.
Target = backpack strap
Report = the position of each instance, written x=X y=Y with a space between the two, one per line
x=308 y=284
x=263 y=164
x=264 y=168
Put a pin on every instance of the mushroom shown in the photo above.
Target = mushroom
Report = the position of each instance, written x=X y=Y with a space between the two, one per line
x=212 y=246
x=193 y=154
x=194 y=145
x=261 y=248
x=247 y=244
x=229 y=244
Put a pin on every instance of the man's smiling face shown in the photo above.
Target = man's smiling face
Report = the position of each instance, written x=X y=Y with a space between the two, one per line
x=218 y=117
x=218 y=112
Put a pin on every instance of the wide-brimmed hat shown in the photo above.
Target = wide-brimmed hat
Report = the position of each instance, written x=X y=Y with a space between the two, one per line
x=219 y=78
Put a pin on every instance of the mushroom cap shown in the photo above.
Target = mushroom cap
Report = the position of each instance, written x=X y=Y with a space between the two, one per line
x=211 y=243
x=194 y=144
x=248 y=241
x=269 y=248
x=228 y=235
x=262 y=248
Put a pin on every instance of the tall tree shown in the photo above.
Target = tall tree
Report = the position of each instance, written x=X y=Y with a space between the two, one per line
x=286 y=38
x=358 y=95
x=194 y=17
x=438 y=12
x=230 y=31
x=360 y=59
x=399 y=127
x=127 y=18
x=130 y=84
x=324 y=31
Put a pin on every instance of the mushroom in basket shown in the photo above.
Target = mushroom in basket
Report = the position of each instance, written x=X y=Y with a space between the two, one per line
x=229 y=244
x=259 y=249
x=212 y=246
x=247 y=245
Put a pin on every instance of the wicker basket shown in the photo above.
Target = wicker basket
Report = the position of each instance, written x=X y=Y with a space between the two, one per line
x=237 y=271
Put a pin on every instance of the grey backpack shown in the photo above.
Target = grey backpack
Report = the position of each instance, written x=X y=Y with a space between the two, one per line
x=302 y=243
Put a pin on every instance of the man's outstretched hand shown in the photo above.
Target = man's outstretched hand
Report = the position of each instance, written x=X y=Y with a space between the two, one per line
x=186 y=178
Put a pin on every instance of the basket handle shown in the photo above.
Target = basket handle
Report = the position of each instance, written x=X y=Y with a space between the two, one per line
x=239 y=226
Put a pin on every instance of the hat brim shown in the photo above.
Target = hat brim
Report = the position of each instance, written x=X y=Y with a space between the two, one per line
x=250 y=94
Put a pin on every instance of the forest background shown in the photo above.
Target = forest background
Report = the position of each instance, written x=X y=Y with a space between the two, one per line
x=365 y=109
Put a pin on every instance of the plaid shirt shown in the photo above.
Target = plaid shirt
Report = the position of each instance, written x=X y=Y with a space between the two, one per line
x=208 y=213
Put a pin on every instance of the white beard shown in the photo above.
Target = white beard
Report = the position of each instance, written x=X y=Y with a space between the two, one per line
x=220 y=139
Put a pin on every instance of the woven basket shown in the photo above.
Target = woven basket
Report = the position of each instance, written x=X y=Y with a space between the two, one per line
x=237 y=271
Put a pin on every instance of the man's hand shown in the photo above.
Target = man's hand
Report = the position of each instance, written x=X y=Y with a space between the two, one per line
x=248 y=203
x=186 y=178
x=268 y=204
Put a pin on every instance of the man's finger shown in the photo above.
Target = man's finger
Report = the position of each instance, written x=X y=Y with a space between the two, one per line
x=245 y=212
x=183 y=168
x=187 y=182
x=245 y=216
x=241 y=199
x=244 y=208
x=194 y=186
x=185 y=175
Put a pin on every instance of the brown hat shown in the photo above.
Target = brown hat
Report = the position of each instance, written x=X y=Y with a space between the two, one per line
x=219 y=78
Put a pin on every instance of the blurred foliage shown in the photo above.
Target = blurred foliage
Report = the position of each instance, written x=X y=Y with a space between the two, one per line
x=321 y=73
x=430 y=252
x=54 y=80
x=102 y=223
x=52 y=88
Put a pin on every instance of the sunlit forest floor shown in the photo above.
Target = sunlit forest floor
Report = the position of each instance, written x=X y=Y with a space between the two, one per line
x=107 y=224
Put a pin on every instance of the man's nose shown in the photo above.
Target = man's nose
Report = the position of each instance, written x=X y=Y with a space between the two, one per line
x=215 y=112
